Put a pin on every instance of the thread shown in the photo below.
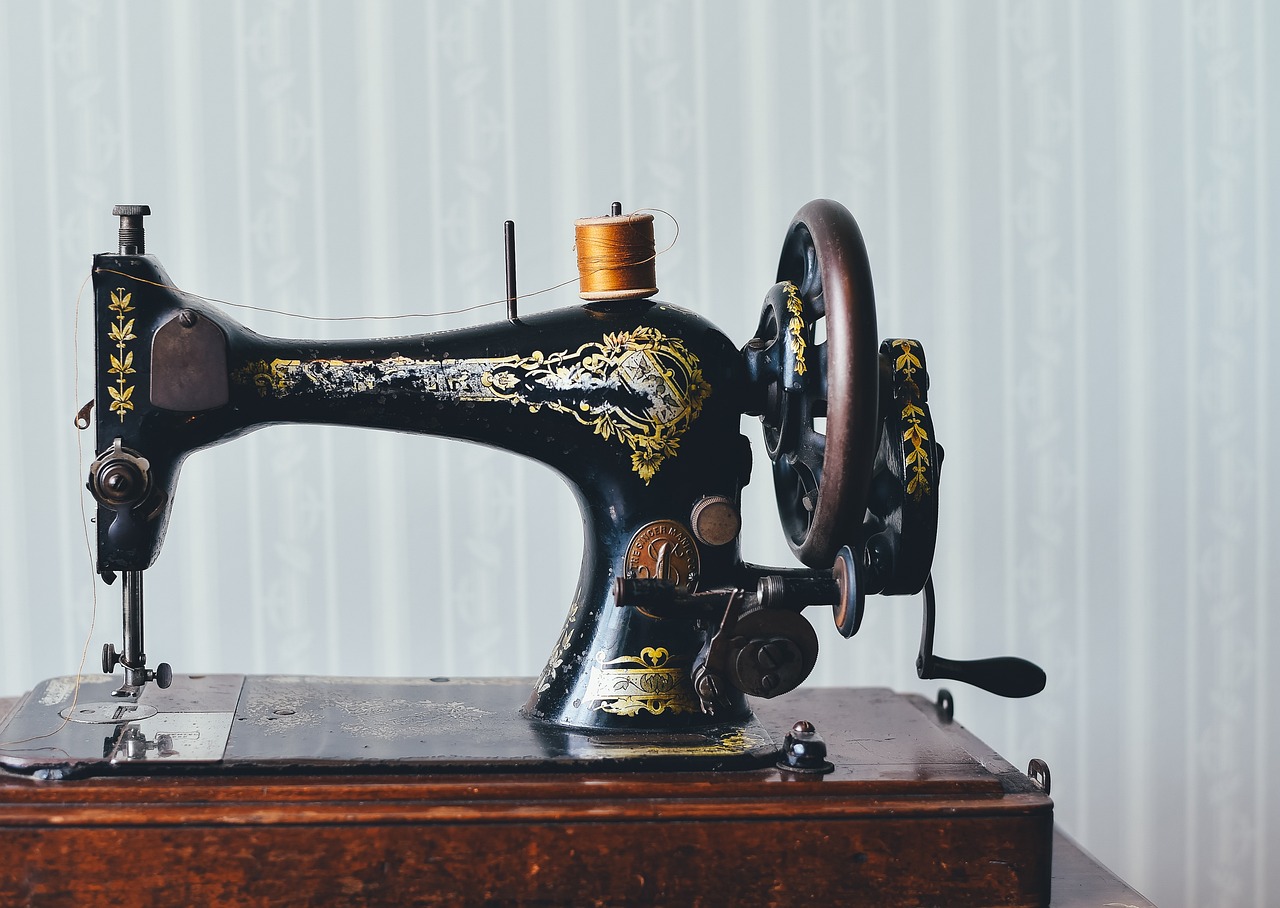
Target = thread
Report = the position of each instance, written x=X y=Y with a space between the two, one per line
x=319 y=318
x=651 y=255
x=616 y=257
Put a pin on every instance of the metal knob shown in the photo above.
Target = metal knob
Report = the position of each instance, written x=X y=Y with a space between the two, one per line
x=110 y=658
x=132 y=234
x=119 y=477
x=715 y=520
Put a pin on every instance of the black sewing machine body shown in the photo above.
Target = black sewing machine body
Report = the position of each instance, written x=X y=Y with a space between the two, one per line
x=635 y=402
x=638 y=405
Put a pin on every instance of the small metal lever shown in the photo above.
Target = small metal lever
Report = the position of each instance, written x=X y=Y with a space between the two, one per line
x=660 y=598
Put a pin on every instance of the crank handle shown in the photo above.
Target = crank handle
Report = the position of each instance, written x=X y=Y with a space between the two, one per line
x=1004 y=676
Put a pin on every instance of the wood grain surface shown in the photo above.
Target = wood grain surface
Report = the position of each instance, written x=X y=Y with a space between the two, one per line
x=887 y=827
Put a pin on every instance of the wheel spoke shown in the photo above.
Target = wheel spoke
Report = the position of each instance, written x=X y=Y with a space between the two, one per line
x=809 y=457
x=790 y=485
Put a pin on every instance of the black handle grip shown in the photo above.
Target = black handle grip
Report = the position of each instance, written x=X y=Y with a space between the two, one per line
x=1005 y=676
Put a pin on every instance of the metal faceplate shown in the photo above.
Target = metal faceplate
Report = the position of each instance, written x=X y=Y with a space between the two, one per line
x=212 y=724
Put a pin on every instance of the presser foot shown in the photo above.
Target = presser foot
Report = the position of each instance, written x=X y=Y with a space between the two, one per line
x=135 y=677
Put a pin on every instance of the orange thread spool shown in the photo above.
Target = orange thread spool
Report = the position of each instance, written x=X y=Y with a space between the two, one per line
x=616 y=257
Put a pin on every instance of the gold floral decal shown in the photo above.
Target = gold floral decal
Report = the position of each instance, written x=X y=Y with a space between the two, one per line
x=121 y=332
x=556 y=661
x=795 y=327
x=917 y=458
x=907 y=363
x=629 y=685
x=594 y=384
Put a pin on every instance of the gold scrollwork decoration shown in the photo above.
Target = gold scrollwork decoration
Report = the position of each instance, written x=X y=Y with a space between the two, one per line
x=729 y=743
x=649 y=682
x=640 y=387
x=121 y=331
x=644 y=361
x=275 y=378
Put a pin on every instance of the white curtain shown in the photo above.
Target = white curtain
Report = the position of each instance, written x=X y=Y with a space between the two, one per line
x=1071 y=204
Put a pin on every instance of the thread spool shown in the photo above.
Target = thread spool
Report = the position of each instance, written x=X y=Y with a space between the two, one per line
x=616 y=257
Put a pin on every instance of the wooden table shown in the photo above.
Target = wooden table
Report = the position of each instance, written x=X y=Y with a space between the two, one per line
x=901 y=820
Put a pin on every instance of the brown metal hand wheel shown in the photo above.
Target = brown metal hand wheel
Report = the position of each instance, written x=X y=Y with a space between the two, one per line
x=820 y=476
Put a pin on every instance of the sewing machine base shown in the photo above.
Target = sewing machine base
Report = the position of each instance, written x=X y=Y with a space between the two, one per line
x=269 y=724
x=916 y=811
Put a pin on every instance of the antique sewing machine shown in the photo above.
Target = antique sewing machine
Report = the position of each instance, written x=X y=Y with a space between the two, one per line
x=638 y=405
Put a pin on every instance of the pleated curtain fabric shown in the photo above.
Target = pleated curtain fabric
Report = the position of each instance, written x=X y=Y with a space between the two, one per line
x=1072 y=205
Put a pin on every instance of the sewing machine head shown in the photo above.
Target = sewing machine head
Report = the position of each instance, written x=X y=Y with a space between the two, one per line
x=638 y=405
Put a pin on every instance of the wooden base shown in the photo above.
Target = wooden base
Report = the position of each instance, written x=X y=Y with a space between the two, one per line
x=917 y=811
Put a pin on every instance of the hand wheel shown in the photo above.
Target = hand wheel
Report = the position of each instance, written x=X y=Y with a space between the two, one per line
x=820 y=477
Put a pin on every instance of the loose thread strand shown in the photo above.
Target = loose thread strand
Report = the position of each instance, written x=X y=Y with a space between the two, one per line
x=359 y=318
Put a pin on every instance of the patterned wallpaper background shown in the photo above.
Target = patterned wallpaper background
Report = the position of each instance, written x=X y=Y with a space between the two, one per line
x=1072 y=204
